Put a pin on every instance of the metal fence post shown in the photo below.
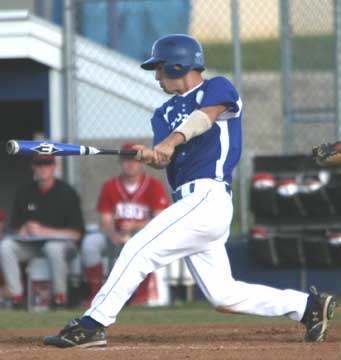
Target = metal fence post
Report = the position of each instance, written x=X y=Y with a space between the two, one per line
x=286 y=57
x=69 y=88
x=337 y=24
x=237 y=76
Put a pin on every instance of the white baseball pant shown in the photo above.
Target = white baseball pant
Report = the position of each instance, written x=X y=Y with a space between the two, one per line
x=195 y=227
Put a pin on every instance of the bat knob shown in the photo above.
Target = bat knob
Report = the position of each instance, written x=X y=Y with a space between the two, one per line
x=12 y=147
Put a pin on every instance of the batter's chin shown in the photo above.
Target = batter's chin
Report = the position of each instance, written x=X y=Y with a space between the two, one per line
x=166 y=90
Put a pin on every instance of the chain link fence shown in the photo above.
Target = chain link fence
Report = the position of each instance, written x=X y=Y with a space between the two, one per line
x=287 y=70
x=311 y=87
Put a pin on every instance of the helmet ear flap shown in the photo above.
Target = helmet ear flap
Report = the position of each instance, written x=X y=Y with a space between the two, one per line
x=176 y=70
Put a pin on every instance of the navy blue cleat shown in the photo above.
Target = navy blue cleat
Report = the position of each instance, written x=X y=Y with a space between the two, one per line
x=75 y=335
x=321 y=308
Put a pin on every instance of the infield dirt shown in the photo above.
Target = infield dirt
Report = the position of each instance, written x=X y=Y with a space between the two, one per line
x=273 y=341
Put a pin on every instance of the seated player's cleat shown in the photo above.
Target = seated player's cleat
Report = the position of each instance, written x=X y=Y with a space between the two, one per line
x=320 y=309
x=75 y=335
x=58 y=302
x=18 y=302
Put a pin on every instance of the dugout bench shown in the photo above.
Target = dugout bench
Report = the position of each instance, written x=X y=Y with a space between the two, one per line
x=296 y=206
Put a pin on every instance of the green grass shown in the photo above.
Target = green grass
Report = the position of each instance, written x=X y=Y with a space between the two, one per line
x=199 y=312
x=309 y=53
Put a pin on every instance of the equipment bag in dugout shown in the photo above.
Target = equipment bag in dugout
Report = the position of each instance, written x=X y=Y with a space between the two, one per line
x=327 y=154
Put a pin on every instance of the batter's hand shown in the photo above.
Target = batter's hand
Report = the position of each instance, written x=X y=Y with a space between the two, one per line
x=164 y=151
x=144 y=154
x=149 y=157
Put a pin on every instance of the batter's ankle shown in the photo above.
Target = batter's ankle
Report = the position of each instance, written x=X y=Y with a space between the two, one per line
x=90 y=323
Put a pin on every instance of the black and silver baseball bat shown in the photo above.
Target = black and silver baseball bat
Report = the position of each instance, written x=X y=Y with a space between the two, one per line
x=30 y=147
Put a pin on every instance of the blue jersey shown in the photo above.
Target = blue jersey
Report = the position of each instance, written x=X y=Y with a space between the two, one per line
x=213 y=154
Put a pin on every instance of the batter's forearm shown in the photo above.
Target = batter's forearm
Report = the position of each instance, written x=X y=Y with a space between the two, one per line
x=196 y=124
x=174 y=139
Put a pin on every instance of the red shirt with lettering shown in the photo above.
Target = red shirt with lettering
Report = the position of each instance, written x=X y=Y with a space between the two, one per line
x=140 y=205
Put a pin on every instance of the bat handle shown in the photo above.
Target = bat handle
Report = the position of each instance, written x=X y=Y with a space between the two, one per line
x=12 y=147
x=128 y=152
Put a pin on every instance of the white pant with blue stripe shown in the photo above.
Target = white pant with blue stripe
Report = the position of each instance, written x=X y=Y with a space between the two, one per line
x=196 y=227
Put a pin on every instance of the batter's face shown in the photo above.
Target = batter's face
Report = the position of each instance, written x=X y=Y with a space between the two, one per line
x=131 y=168
x=168 y=85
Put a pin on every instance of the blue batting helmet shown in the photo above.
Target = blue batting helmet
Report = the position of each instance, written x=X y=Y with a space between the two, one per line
x=179 y=53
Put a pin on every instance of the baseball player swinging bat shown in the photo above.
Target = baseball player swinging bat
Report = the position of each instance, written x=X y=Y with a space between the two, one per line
x=30 y=147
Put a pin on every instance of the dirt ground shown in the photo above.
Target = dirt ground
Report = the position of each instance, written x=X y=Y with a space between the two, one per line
x=198 y=341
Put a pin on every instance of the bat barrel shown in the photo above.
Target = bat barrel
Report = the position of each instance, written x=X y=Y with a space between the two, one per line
x=31 y=147
x=12 y=147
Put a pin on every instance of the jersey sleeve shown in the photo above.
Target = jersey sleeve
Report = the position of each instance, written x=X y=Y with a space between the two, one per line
x=104 y=203
x=220 y=91
x=159 y=126
x=158 y=196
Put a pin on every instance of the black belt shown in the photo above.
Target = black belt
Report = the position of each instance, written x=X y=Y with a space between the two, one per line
x=177 y=195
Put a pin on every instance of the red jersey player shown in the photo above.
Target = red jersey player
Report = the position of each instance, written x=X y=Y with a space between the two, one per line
x=126 y=203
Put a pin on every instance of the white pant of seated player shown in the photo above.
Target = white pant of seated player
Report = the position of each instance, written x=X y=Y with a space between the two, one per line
x=196 y=227
x=38 y=270
x=57 y=253
x=96 y=249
